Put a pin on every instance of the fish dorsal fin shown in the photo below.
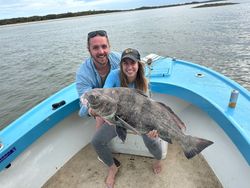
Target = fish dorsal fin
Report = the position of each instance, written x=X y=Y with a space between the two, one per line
x=141 y=92
x=178 y=121
x=165 y=106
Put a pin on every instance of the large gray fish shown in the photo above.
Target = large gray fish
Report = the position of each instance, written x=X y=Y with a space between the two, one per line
x=132 y=109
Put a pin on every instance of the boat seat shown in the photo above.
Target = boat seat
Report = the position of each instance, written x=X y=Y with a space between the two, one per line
x=134 y=145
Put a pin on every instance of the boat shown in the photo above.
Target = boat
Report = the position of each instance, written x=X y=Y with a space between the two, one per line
x=39 y=144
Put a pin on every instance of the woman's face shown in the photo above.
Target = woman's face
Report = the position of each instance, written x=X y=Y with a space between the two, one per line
x=130 y=68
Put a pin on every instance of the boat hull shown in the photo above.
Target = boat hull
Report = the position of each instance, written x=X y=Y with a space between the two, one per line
x=49 y=153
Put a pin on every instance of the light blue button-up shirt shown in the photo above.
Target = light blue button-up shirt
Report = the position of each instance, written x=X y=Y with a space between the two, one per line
x=88 y=78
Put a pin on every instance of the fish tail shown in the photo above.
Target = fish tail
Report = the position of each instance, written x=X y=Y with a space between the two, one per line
x=193 y=145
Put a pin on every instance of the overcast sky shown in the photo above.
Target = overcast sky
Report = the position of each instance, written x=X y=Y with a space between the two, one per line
x=25 y=8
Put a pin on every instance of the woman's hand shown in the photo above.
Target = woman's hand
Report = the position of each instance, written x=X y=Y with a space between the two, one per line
x=153 y=134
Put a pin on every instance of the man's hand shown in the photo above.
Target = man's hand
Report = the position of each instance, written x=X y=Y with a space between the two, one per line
x=83 y=101
x=92 y=112
x=99 y=122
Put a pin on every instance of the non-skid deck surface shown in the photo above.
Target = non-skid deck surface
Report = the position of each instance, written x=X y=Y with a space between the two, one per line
x=85 y=171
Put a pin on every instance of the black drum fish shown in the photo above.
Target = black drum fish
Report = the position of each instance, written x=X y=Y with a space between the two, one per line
x=132 y=109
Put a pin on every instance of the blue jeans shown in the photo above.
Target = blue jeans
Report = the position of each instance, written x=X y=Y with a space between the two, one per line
x=107 y=132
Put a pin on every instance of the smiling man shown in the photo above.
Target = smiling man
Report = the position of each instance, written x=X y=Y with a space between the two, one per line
x=94 y=70
x=92 y=74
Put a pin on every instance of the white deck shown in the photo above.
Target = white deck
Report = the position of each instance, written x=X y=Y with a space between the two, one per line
x=85 y=171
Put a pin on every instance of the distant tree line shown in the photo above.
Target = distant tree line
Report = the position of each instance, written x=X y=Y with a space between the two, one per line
x=52 y=16
x=214 y=5
x=84 y=13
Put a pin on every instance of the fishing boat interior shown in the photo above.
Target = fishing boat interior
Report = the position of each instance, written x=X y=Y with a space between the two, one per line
x=49 y=146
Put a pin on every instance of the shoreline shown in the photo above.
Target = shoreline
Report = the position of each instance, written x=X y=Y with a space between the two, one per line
x=20 y=20
x=51 y=20
x=215 y=5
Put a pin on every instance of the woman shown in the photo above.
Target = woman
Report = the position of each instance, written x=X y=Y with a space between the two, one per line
x=131 y=74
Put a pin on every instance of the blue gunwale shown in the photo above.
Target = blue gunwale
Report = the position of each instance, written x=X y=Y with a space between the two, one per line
x=21 y=133
x=211 y=93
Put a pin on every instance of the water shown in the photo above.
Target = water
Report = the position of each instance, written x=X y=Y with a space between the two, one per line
x=38 y=59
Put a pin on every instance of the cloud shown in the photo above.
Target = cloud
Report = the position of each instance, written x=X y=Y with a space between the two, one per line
x=20 y=8
x=25 y=8
x=28 y=4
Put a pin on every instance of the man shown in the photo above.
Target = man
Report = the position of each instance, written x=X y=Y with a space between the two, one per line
x=92 y=74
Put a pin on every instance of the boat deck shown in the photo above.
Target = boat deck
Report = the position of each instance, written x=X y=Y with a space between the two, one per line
x=84 y=170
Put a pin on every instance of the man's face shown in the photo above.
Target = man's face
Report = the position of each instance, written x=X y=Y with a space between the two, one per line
x=99 y=49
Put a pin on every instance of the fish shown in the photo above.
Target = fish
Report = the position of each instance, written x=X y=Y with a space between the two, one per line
x=129 y=108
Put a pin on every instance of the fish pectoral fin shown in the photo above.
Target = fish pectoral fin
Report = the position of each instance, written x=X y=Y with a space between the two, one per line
x=125 y=125
x=121 y=132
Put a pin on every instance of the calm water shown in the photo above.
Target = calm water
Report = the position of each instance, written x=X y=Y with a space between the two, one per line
x=38 y=59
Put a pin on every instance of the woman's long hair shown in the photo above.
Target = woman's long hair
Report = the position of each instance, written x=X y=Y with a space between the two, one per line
x=140 y=81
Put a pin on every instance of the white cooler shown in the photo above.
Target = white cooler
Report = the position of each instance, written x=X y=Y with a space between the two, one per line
x=134 y=145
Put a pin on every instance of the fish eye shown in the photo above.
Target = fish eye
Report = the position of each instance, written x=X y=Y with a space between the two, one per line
x=91 y=98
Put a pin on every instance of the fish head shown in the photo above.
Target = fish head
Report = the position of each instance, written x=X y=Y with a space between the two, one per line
x=102 y=104
x=93 y=97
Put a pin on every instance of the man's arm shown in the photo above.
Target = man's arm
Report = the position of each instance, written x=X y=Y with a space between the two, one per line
x=83 y=84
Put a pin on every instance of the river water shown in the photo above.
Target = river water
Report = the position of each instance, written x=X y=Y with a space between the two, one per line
x=38 y=59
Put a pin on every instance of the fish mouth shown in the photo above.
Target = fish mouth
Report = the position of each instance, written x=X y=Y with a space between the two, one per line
x=90 y=95
x=92 y=101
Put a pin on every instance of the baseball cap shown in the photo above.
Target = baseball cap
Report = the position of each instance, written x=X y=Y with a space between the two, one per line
x=131 y=54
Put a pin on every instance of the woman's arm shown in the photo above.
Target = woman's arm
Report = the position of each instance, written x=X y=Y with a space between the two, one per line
x=113 y=79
